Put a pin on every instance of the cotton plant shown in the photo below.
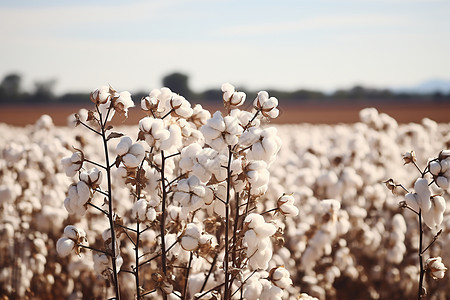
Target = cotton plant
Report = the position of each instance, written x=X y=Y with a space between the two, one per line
x=194 y=180
x=429 y=209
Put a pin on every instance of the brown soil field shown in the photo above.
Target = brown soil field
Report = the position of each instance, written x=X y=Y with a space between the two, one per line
x=314 y=114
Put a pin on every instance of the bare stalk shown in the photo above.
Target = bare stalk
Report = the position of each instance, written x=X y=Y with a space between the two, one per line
x=163 y=218
x=110 y=204
x=187 y=277
x=422 y=271
x=227 y=224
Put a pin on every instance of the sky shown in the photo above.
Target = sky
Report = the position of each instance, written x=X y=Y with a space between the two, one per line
x=253 y=44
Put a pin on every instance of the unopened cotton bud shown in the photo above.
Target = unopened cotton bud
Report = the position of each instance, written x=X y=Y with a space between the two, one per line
x=409 y=157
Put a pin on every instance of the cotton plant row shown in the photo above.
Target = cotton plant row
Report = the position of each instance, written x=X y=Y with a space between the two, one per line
x=193 y=183
x=324 y=217
x=365 y=245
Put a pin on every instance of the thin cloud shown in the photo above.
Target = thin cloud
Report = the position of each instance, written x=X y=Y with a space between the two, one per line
x=323 y=22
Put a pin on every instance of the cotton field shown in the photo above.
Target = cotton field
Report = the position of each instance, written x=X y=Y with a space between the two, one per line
x=191 y=204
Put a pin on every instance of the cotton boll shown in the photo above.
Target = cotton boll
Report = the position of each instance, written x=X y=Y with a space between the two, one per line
x=265 y=229
x=434 y=167
x=280 y=277
x=412 y=201
x=139 y=210
x=174 y=141
x=442 y=182
x=124 y=145
x=398 y=223
x=64 y=246
x=436 y=267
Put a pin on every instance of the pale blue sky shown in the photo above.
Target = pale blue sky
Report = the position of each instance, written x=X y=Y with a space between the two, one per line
x=319 y=44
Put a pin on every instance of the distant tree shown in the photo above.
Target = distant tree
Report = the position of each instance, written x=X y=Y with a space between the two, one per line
x=178 y=83
x=43 y=91
x=10 y=90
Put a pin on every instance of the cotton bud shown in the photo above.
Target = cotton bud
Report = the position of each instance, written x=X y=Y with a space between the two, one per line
x=93 y=178
x=64 y=246
x=153 y=131
x=409 y=157
x=74 y=233
x=199 y=116
x=390 y=184
x=286 y=206
x=130 y=154
x=73 y=163
x=442 y=182
x=280 y=277
x=190 y=237
x=220 y=132
x=180 y=107
x=149 y=103
x=435 y=215
x=436 y=267
x=101 y=264
x=142 y=211
x=267 y=106
x=122 y=103
x=78 y=196
x=444 y=154
x=69 y=242
x=102 y=95
x=231 y=97
x=434 y=167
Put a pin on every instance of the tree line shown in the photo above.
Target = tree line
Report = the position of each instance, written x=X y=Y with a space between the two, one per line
x=12 y=93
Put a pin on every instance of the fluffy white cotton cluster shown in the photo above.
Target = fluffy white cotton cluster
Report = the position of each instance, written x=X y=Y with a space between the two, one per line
x=259 y=287
x=203 y=162
x=180 y=106
x=153 y=131
x=267 y=105
x=262 y=144
x=131 y=154
x=334 y=224
x=286 y=206
x=257 y=240
x=102 y=95
x=220 y=132
x=93 y=178
x=122 y=103
x=396 y=247
x=436 y=267
x=231 y=97
x=190 y=237
x=155 y=102
x=257 y=174
x=77 y=198
x=280 y=277
x=72 y=164
x=105 y=97
x=432 y=207
x=144 y=210
x=440 y=169
x=69 y=242
x=191 y=194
